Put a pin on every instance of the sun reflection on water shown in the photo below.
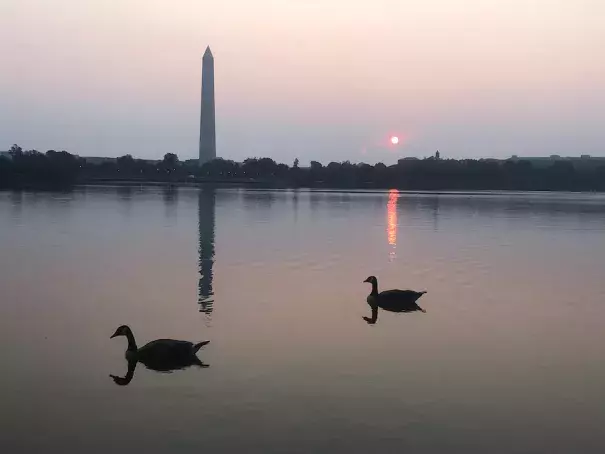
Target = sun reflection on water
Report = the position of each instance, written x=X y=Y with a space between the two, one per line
x=392 y=221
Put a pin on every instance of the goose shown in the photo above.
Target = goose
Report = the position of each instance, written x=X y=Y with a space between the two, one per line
x=391 y=300
x=162 y=355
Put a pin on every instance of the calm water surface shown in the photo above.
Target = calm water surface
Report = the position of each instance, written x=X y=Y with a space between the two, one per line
x=509 y=358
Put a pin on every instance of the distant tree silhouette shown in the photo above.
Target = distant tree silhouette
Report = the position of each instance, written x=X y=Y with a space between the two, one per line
x=259 y=168
x=125 y=162
x=220 y=168
x=7 y=173
x=56 y=168
x=170 y=161
x=16 y=151
x=32 y=168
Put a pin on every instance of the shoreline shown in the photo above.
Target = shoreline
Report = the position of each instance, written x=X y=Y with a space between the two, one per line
x=262 y=186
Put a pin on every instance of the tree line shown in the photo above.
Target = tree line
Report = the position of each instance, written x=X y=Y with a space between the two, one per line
x=60 y=168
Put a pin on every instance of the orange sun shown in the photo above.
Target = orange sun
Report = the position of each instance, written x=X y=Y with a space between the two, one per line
x=394 y=140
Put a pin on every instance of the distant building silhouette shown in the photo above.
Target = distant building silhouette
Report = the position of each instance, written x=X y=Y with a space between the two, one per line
x=584 y=161
x=437 y=155
x=206 y=225
x=402 y=161
x=207 y=124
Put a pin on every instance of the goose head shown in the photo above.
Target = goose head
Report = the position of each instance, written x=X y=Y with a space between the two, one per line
x=123 y=330
x=372 y=280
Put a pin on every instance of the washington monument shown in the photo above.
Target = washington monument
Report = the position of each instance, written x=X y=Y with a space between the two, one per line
x=207 y=127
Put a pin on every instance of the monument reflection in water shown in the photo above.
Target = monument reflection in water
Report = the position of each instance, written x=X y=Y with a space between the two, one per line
x=206 y=221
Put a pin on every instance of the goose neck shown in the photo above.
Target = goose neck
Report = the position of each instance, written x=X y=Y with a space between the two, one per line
x=374 y=288
x=132 y=345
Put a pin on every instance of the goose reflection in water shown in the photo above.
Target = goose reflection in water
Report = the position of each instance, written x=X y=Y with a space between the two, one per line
x=391 y=300
x=161 y=355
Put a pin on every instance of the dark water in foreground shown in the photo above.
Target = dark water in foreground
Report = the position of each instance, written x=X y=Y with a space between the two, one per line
x=509 y=358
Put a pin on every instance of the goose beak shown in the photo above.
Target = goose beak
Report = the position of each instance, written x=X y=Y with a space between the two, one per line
x=367 y=280
x=114 y=335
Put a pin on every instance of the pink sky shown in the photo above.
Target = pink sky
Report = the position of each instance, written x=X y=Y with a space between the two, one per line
x=326 y=80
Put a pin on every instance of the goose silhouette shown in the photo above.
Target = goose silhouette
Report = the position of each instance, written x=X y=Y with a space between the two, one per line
x=391 y=300
x=161 y=355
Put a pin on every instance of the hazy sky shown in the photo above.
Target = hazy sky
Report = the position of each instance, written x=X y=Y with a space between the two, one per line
x=317 y=79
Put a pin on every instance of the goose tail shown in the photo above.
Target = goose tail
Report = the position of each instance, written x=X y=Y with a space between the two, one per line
x=199 y=345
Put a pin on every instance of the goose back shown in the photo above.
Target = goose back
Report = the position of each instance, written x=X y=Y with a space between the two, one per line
x=393 y=300
x=164 y=355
